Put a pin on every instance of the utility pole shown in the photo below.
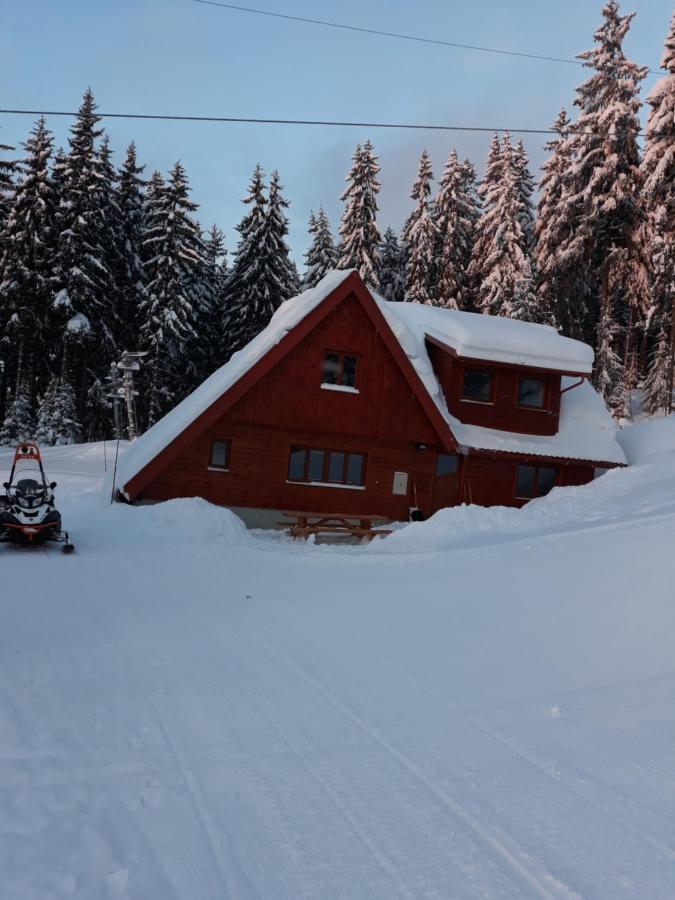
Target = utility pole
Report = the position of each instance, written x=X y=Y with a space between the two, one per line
x=123 y=391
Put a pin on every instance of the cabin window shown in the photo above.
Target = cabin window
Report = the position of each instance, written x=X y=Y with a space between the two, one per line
x=534 y=481
x=339 y=369
x=477 y=385
x=532 y=392
x=220 y=455
x=446 y=464
x=326 y=467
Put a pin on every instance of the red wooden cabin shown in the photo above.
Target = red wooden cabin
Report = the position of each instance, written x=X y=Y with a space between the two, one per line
x=349 y=403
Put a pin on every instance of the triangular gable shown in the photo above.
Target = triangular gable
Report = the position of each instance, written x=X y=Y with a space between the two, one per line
x=352 y=284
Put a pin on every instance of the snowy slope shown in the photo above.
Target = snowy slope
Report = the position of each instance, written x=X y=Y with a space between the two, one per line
x=479 y=706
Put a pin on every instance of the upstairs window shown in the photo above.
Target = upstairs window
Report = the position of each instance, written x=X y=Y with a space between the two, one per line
x=326 y=467
x=478 y=386
x=534 y=481
x=220 y=455
x=533 y=392
x=339 y=369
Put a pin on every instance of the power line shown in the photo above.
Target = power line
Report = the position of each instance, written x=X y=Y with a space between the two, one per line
x=247 y=120
x=395 y=34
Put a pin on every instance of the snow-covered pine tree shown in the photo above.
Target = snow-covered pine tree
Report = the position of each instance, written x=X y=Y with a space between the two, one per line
x=605 y=181
x=112 y=241
x=392 y=267
x=525 y=187
x=560 y=285
x=131 y=201
x=26 y=276
x=421 y=237
x=608 y=372
x=215 y=257
x=82 y=303
x=659 y=194
x=359 y=236
x=56 y=421
x=19 y=422
x=7 y=170
x=263 y=275
x=486 y=225
x=504 y=272
x=322 y=255
x=454 y=211
x=175 y=258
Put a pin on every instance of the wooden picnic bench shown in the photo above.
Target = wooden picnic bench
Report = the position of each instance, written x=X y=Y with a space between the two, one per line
x=302 y=524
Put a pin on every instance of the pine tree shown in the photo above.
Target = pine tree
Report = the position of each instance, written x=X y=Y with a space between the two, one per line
x=359 y=237
x=131 y=278
x=57 y=423
x=455 y=220
x=111 y=239
x=659 y=192
x=263 y=275
x=421 y=236
x=392 y=267
x=488 y=193
x=560 y=284
x=605 y=184
x=525 y=187
x=608 y=374
x=501 y=261
x=26 y=278
x=321 y=257
x=173 y=244
x=7 y=170
x=19 y=423
x=82 y=305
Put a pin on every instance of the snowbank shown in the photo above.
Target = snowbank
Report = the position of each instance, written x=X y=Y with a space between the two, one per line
x=647 y=439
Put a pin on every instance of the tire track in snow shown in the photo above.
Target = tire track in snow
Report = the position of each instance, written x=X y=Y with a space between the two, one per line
x=229 y=882
x=543 y=883
x=552 y=769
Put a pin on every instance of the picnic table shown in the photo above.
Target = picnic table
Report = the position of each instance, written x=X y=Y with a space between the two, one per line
x=302 y=524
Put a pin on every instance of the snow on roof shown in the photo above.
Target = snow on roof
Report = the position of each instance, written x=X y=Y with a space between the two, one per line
x=586 y=429
x=498 y=339
x=162 y=433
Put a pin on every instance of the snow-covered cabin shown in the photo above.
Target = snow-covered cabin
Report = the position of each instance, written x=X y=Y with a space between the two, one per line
x=347 y=403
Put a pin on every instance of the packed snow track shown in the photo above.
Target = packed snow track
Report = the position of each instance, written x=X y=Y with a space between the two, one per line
x=479 y=706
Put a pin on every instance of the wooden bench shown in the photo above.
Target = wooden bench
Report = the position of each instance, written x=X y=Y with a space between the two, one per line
x=302 y=524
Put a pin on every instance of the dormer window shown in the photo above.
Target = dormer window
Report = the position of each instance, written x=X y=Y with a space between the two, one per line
x=533 y=392
x=478 y=386
x=339 y=370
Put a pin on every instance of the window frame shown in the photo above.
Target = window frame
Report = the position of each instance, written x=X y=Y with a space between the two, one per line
x=546 y=381
x=536 y=466
x=325 y=479
x=341 y=354
x=212 y=467
x=487 y=370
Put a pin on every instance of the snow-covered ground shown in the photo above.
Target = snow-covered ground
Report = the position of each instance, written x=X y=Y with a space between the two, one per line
x=482 y=705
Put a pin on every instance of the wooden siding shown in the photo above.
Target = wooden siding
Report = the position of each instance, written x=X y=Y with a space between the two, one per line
x=504 y=413
x=489 y=481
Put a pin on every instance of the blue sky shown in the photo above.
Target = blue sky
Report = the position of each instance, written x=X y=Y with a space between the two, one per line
x=177 y=56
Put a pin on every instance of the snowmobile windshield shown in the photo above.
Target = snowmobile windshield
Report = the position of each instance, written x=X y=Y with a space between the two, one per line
x=28 y=493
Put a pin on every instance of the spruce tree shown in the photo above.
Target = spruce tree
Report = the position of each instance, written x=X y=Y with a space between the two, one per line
x=263 y=275
x=7 y=170
x=57 y=422
x=455 y=220
x=82 y=305
x=488 y=192
x=605 y=244
x=392 y=267
x=359 y=236
x=26 y=276
x=659 y=193
x=421 y=235
x=321 y=257
x=175 y=258
x=19 y=422
x=560 y=284
x=525 y=187
x=131 y=278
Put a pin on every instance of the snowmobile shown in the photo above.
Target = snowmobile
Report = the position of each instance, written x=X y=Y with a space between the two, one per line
x=27 y=511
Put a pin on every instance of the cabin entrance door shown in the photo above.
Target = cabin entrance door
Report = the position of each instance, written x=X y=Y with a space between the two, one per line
x=446 y=482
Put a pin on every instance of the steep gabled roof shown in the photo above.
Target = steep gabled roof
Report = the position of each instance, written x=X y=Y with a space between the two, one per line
x=294 y=319
x=586 y=430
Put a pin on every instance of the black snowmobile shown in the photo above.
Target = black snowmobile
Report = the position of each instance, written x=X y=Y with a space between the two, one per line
x=27 y=511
